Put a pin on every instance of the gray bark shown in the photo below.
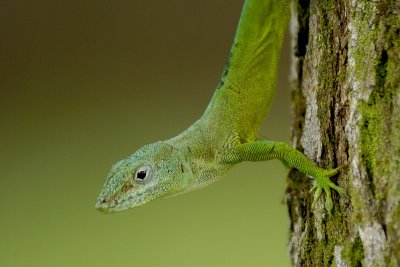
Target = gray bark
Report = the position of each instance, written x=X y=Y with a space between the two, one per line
x=346 y=102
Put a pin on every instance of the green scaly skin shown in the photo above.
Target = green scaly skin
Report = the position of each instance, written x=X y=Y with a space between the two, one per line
x=227 y=133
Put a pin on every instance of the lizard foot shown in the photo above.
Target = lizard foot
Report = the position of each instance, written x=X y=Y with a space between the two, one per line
x=322 y=182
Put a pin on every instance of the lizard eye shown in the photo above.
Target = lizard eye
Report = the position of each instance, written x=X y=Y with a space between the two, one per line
x=142 y=174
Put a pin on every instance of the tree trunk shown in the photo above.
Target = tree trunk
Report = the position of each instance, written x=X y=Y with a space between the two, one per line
x=346 y=102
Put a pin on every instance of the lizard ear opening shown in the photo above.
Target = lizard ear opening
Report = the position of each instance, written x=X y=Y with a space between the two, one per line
x=143 y=174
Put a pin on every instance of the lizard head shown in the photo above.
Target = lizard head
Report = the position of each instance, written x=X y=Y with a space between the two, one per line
x=154 y=171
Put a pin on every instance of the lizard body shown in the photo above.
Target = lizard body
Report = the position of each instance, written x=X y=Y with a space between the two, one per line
x=227 y=132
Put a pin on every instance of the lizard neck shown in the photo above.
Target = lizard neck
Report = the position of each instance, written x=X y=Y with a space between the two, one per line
x=203 y=145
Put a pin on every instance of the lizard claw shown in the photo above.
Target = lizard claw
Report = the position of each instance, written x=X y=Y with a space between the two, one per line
x=317 y=194
x=322 y=182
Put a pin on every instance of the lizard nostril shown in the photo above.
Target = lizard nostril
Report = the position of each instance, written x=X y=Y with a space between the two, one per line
x=103 y=201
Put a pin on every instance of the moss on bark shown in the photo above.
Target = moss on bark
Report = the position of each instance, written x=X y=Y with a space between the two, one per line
x=347 y=113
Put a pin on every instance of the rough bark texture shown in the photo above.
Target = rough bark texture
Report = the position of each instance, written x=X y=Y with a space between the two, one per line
x=346 y=101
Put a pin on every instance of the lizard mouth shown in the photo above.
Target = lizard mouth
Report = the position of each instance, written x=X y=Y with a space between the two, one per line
x=109 y=208
x=104 y=206
x=116 y=203
x=113 y=205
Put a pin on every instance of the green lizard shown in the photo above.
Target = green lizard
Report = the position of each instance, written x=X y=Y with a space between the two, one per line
x=227 y=132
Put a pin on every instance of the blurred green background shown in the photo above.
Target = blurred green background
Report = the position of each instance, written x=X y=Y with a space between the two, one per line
x=84 y=84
